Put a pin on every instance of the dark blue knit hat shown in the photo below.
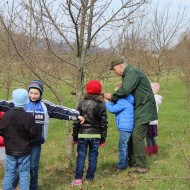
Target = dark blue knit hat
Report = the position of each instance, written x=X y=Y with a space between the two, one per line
x=37 y=84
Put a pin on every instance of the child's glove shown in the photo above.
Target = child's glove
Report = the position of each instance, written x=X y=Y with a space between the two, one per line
x=75 y=142
x=102 y=144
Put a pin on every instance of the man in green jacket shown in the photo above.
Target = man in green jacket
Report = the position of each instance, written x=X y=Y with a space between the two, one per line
x=135 y=82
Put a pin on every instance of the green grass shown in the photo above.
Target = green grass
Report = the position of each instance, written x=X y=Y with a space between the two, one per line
x=170 y=170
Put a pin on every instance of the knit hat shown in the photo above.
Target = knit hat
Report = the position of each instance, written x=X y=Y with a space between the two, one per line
x=37 y=84
x=20 y=97
x=94 y=87
x=116 y=61
x=155 y=87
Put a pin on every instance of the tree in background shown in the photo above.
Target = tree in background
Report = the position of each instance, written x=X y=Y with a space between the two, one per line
x=149 y=40
x=11 y=71
x=181 y=59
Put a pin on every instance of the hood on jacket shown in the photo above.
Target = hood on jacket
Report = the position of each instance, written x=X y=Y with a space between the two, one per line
x=130 y=98
x=98 y=97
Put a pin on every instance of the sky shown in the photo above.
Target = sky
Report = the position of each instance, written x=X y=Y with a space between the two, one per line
x=182 y=2
x=174 y=5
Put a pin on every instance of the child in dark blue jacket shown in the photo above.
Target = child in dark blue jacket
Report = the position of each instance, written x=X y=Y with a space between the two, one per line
x=124 y=116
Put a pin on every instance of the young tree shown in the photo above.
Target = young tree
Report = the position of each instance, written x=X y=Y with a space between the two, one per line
x=164 y=34
x=10 y=74
x=181 y=56
x=148 y=41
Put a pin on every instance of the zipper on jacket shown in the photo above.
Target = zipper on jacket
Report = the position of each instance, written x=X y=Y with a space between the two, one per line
x=34 y=108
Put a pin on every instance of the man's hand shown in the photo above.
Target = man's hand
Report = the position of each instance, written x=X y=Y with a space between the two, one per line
x=81 y=119
x=107 y=96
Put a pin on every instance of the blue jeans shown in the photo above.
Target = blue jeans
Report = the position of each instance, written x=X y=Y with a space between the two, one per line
x=22 y=163
x=83 y=145
x=123 y=149
x=34 y=164
x=35 y=159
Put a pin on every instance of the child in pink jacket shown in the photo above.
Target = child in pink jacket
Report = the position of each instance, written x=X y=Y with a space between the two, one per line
x=152 y=132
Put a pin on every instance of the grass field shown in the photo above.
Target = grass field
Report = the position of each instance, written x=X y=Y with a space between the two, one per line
x=169 y=170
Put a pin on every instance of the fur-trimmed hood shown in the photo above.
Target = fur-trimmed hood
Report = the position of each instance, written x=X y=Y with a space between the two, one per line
x=99 y=97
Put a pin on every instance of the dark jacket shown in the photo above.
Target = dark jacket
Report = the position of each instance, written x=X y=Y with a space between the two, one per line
x=93 y=109
x=135 y=82
x=18 y=129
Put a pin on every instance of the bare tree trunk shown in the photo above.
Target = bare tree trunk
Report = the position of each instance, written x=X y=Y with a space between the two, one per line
x=79 y=80
x=69 y=153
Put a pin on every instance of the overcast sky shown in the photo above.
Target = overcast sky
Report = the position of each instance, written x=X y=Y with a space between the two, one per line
x=162 y=3
x=175 y=4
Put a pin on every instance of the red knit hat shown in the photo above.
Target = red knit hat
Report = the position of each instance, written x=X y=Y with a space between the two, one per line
x=94 y=87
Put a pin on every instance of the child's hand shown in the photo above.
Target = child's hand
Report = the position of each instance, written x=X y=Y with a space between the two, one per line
x=81 y=119
x=107 y=96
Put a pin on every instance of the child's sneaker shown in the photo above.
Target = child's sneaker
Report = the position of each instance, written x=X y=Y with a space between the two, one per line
x=76 y=182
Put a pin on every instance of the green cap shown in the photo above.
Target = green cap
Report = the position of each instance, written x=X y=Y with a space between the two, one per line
x=116 y=61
